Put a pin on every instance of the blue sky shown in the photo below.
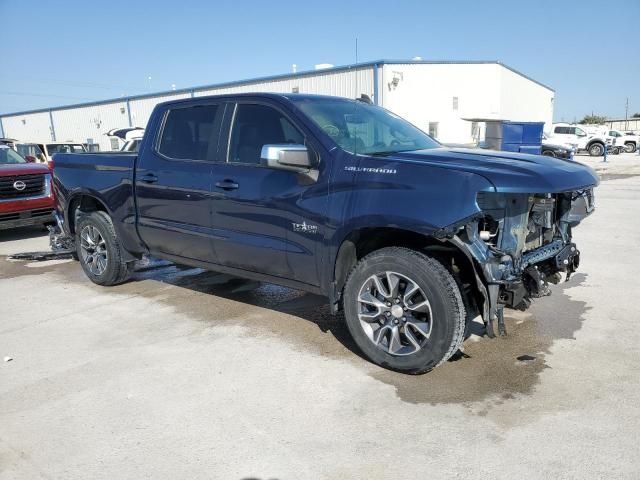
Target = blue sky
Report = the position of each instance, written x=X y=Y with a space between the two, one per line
x=62 y=52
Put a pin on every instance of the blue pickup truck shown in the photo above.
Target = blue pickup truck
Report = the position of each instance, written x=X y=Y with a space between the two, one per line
x=337 y=197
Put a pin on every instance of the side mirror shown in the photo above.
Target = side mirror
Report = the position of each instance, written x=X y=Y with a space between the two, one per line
x=30 y=158
x=288 y=156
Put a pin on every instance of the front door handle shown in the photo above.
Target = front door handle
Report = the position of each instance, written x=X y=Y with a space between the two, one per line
x=149 y=178
x=227 y=184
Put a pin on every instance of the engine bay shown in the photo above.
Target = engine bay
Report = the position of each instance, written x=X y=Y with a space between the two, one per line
x=523 y=243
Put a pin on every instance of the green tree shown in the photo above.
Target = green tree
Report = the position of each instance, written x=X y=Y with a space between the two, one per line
x=636 y=115
x=593 y=120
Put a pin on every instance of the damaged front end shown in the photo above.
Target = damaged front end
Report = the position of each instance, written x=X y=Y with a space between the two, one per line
x=522 y=243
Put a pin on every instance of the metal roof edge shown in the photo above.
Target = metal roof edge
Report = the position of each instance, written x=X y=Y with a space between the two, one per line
x=526 y=76
x=268 y=78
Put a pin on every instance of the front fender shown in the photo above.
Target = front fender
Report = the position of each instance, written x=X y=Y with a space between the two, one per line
x=422 y=199
x=417 y=198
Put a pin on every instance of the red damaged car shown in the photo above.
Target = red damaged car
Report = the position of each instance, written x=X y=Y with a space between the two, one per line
x=26 y=196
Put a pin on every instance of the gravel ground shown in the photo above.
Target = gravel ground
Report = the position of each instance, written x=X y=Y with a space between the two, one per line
x=182 y=373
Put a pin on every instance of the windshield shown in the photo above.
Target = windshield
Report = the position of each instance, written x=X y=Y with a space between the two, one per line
x=10 y=157
x=361 y=128
x=65 y=148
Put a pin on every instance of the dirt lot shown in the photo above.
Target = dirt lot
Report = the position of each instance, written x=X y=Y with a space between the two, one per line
x=182 y=373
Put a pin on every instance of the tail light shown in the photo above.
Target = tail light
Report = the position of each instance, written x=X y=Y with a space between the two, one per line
x=50 y=164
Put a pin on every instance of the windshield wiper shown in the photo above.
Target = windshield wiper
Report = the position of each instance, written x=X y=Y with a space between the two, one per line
x=380 y=154
x=386 y=153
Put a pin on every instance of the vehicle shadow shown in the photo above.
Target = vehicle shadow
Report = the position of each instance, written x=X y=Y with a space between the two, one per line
x=314 y=309
x=22 y=233
x=489 y=370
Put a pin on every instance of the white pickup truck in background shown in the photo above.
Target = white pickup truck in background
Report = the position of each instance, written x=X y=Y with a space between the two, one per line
x=626 y=140
x=589 y=138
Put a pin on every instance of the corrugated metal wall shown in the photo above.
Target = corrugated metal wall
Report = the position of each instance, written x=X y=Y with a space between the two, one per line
x=340 y=84
x=91 y=122
x=32 y=126
x=141 y=108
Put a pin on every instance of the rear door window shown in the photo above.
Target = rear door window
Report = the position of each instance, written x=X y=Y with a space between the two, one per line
x=190 y=133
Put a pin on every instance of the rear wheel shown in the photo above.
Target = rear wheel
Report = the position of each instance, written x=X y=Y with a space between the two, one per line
x=629 y=147
x=596 y=149
x=548 y=153
x=99 y=250
x=404 y=310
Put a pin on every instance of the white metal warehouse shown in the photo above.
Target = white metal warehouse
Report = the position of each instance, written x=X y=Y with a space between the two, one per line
x=437 y=96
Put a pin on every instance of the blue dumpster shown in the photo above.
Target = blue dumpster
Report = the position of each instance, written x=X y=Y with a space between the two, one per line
x=510 y=136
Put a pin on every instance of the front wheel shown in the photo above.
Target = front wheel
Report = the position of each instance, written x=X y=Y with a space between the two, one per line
x=99 y=250
x=404 y=310
x=596 y=150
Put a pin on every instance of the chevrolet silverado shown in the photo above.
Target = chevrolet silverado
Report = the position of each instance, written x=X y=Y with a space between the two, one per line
x=337 y=197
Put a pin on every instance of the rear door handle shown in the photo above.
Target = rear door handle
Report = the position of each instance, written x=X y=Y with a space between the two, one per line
x=149 y=178
x=227 y=185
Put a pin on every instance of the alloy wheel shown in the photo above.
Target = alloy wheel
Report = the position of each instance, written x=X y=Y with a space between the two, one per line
x=395 y=313
x=94 y=250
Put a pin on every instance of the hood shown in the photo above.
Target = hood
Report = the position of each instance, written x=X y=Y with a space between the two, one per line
x=509 y=172
x=22 y=169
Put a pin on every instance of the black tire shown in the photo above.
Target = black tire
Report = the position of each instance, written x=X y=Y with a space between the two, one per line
x=548 y=153
x=629 y=147
x=447 y=324
x=596 y=149
x=117 y=270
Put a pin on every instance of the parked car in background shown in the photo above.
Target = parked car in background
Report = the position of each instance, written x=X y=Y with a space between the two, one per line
x=10 y=142
x=132 y=145
x=26 y=194
x=131 y=136
x=556 y=149
x=49 y=149
x=628 y=141
x=586 y=138
x=339 y=198
x=91 y=147
x=31 y=152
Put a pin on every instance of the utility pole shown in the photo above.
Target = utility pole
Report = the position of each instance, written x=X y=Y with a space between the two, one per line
x=626 y=115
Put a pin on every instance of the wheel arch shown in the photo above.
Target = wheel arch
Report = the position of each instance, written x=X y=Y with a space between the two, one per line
x=84 y=201
x=593 y=142
x=360 y=242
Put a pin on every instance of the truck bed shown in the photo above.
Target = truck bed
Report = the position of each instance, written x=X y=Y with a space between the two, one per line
x=107 y=177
